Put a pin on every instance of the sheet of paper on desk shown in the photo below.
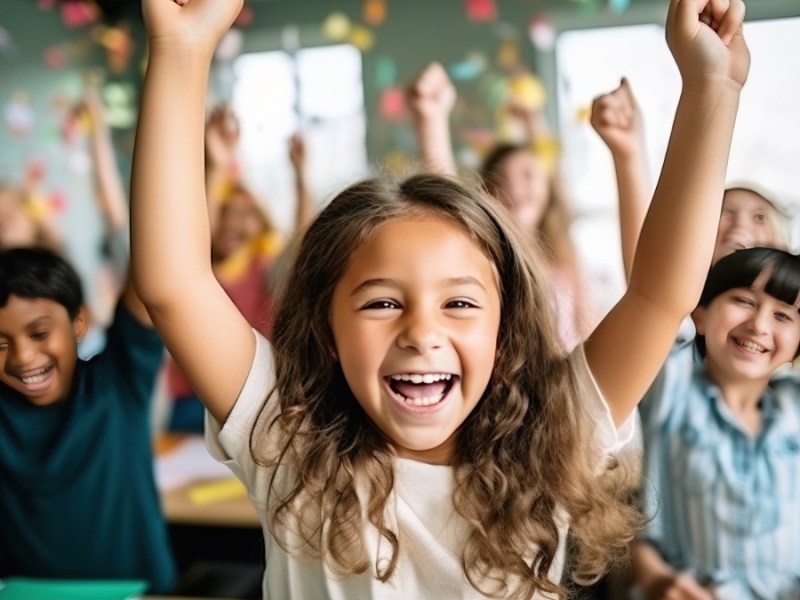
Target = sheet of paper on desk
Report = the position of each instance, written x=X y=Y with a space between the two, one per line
x=188 y=462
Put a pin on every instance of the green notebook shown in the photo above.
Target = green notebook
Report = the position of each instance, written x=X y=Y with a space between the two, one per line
x=19 y=588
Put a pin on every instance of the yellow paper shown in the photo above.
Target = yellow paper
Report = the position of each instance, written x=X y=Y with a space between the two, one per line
x=216 y=491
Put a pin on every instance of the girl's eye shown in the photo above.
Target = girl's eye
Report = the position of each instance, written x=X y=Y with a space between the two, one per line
x=783 y=317
x=760 y=218
x=460 y=304
x=743 y=301
x=39 y=335
x=380 y=305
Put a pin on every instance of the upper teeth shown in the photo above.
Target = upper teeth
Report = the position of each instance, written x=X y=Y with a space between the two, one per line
x=752 y=346
x=426 y=378
x=35 y=377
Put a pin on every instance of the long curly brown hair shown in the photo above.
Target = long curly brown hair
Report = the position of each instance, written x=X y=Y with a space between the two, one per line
x=525 y=456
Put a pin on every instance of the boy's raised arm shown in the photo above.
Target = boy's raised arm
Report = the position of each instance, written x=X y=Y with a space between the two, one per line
x=170 y=240
x=674 y=251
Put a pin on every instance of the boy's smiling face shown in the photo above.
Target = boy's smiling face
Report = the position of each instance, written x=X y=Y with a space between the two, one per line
x=39 y=348
x=415 y=319
x=748 y=333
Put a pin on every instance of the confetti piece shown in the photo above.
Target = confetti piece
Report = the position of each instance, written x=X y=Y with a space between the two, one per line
x=77 y=14
x=481 y=11
x=336 y=27
x=374 y=12
x=528 y=90
x=468 y=69
x=19 y=116
x=55 y=58
x=392 y=104
x=508 y=54
x=385 y=72
x=362 y=38
x=541 y=33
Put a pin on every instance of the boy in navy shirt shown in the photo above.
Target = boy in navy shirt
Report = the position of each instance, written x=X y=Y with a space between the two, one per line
x=78 y=497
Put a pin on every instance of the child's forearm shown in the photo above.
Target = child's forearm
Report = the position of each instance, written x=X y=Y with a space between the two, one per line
x=634 y=189
x=648 y=569
x=677 y=240
x=435 y=145
x=170 y=231
x=108 y=184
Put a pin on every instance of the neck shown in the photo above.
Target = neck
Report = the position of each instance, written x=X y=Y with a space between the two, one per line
x=743 y=398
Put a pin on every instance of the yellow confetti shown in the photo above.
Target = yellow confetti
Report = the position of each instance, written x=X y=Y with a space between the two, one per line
x=336 y=27
x=362 y=38
x=527 y=89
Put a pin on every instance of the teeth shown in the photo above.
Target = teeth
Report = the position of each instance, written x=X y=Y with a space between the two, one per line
x=426 y=378
x=423 y=401
x=36 y=377
x=752 y=346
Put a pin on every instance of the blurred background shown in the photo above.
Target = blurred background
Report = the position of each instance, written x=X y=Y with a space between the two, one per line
x=335 y=70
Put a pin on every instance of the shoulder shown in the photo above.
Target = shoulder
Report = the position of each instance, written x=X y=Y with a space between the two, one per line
x=609 y=439
x=230 y=443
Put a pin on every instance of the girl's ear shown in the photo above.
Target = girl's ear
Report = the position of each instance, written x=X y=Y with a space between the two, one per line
x=80 y=324
x=699 y=318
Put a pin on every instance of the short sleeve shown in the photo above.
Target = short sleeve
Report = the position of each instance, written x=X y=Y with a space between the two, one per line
x=610 y=440
x=132 y=356
x=230 y=443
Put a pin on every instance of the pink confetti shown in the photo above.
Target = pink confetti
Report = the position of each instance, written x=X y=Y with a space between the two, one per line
x=392 y=103
x=481 y=11
x=77 y=14
x=35 y=170
x=58 y=201
x=55 y=58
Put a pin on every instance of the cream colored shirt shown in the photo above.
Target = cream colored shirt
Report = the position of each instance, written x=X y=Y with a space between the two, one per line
x=431 y=534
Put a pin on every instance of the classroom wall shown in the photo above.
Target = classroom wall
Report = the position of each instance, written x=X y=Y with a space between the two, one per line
x=43 y=60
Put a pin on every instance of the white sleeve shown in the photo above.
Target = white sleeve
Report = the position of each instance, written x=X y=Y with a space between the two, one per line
x=613 y=442
x=230 y=443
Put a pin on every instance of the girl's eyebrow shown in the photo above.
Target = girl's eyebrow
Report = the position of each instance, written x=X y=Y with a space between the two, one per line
x=386 y=282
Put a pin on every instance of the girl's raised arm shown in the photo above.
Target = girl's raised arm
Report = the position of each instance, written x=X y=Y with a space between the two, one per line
x=170 y=240
x=674 y=251
x=431 y=97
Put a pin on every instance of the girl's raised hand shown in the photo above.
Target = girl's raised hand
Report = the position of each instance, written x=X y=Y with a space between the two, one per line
x=705 y=37
x=617 y=119
x=197 y=24
x=431 y=94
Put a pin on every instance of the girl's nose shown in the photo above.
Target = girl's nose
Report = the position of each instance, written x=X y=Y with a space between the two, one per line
x=420 y=332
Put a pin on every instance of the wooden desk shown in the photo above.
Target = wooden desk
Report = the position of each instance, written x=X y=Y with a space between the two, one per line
x=232 y=512
x=179 y=508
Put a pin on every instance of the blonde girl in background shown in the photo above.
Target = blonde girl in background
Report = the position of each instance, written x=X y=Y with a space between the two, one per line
x=415 y=430
x=523 y=177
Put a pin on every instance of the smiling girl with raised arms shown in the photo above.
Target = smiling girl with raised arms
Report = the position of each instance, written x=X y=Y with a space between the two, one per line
x=414 y=430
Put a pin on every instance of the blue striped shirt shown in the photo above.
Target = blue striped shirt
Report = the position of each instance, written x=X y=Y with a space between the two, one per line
x=726 y=503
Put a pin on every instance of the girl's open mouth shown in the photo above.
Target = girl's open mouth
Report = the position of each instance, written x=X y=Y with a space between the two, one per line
x=417 y=389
